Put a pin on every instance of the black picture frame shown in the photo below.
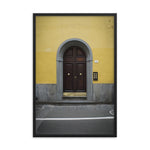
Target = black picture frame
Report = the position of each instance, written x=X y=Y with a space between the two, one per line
x=115 y=71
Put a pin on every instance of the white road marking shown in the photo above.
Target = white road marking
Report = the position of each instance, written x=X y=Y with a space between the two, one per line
x=111 y=112
x=87 y=118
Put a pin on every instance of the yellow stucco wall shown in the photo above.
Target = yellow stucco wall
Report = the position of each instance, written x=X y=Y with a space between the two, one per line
x=97 y=31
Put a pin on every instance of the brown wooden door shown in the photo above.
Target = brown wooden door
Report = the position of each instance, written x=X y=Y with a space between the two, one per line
x=74 y=70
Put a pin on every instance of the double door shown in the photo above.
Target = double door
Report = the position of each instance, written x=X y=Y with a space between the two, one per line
x=74 y=70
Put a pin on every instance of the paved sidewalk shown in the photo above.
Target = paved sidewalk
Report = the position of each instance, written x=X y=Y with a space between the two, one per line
x=85 y=110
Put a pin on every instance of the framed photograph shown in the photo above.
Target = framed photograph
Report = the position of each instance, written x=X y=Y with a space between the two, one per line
x=75 y=75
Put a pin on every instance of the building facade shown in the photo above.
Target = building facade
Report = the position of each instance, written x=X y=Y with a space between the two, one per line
x=75 y=54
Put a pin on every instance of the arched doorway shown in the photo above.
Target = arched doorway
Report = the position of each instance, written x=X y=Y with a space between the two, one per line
x=85 y=48
x=74 y=70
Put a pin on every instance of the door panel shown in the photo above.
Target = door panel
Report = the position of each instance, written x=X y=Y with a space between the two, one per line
x=68 y=74
x=74 y=66
x=81 y=75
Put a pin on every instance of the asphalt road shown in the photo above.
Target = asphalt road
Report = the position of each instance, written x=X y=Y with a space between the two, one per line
x=76 y=127
x=74 y=121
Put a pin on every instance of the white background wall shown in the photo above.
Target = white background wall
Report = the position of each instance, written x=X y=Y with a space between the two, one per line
x=16 y=74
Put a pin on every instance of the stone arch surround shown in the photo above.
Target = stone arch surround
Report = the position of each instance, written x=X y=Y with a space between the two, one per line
x=89 y=66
